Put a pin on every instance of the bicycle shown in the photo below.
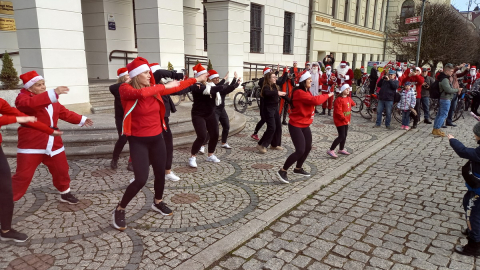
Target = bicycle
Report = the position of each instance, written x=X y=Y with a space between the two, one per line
x=363 y=89
x=177 y=99
x=251 y=92
x=369 y=106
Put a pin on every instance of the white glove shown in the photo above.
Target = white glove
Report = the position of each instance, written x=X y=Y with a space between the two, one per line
x=218 y=99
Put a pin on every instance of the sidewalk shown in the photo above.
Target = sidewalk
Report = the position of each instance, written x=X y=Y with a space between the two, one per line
x=216 y=206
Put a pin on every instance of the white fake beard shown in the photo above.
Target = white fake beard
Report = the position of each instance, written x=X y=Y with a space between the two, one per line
x=314 y=70
x=329 y=72
x=399 y=74
x=472 y=72
x=342 y=71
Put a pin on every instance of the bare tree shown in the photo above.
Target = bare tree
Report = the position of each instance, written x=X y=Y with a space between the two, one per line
x=446 y=37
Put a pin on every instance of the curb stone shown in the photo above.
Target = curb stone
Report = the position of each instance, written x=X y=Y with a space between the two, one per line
x=216 y=251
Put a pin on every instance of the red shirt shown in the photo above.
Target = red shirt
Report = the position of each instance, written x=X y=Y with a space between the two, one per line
x=303 y=111
x=342 y=111
x=419 y=81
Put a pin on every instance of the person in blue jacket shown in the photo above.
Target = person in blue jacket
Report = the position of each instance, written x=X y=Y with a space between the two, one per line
x=471 y=200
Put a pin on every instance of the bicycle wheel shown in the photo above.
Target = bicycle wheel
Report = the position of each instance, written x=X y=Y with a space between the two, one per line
x=358 y=104
x=397 y=113
x=239 y=102
x=433 y=108
x=176 y=99
x=458 y=110
x=190 y=96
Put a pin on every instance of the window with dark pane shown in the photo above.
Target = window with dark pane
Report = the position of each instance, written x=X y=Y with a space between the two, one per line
x=374 y=14
x=354 y=62
x=334 y=9
x=256 y=28
x=346 y=13
x=134 y=24
x=357 y=11
x=344 y=56
x=205 y=32
x=367 y=9
x=288 y=33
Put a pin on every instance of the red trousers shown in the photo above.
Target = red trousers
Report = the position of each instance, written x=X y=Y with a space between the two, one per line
x=28 y=163
x=329 y=102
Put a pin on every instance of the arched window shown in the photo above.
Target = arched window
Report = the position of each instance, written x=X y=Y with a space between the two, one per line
x=408 y=9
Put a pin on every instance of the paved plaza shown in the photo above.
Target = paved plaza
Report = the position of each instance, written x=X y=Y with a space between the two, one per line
x=393 y=204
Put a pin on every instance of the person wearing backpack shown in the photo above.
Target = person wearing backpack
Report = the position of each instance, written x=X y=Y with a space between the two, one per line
x=446 y=94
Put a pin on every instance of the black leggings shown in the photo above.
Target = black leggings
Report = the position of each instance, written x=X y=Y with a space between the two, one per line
x=302 y=140
x=222 y=117
x=168 y=137
x=259 y=126
x=6 y=193
x=341 y=139
x=273 y=134
x=122 y=140
x=204 y=127
x=145 y=151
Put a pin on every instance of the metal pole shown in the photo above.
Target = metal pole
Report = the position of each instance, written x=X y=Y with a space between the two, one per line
x=420 y=34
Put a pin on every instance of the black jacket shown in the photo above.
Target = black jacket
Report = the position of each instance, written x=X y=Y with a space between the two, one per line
x=114 y=89
x=223 y=94
x=387 y=89
x=161 y=74
x=270 y=96
x=204 y=105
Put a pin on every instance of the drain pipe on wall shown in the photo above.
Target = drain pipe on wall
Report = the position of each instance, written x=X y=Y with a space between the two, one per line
x=310 y=11
x=386 y=27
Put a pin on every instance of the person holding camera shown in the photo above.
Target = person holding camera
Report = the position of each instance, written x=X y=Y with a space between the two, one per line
x=425 y=99
x=388 y=87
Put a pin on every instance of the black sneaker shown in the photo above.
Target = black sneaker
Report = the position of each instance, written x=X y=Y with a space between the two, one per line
x=282 y=176
x=13 y=235
x=118 y=219
x=114 y=164
x=301 y=171
x=130 y=166
x=426 y=121
x=68 y=198
x=162 y=208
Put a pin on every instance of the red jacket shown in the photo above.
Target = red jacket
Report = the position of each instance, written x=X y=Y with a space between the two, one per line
x=145 y=101
x=303 y=109
x=9 y=116
x=469 y=80
x=418 y=79
x=342 y=110
x=326 y=82
x=46 y=108
x=347 y=80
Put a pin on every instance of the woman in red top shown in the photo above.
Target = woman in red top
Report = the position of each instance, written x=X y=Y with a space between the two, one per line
x=143 y=124
x=302 y=111
x=11 y=115
x=342 y=112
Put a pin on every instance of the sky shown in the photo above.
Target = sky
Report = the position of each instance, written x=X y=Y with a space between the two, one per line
x=462 y=5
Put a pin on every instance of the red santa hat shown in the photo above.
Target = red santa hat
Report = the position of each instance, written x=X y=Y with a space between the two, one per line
x=314 y=64
x=138 y=66
x=473 y=67
x=361 y=67
x=305 y=75
x=328 y=66
x=30 y=78
x=307 y=63
x=199 y=70
x=343 y=63
x=212 y=74
x=154 y=67
x=122 y=72
x=266 y=70
x=343 y=88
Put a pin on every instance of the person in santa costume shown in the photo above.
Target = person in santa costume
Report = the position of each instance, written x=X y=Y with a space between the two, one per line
x=344 y=74
x=34 y=146
x=468 y=80
x=302 y=113
x=364 y=75
x=206 y=96
x=11 y=115
x=286 y=83
x=328 y=82
x=316 y=84
x=161 y=76
x=122 y=74
x=307 y=66
x=143 y=124
x=295 y=71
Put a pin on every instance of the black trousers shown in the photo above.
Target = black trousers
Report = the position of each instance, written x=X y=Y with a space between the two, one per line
x=168 y=138
x=302 y=140
x=259 y=126
x=341 y=139
x=273 y=134
x=222 y=117
x=204 y=127
x=145 y=151
x=475 y=103
x=6 y=193
x=122 y=140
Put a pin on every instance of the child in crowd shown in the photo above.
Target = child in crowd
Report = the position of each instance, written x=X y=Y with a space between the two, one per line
x=342 y=111
x=406 y=104
x=471 y=175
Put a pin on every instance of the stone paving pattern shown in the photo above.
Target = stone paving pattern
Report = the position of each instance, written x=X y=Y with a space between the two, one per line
x=399 y=209
x=214 y=200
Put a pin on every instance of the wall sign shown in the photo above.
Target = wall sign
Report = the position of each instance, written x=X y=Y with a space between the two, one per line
x=111 y=22
x=6 y=7
x=7 y=24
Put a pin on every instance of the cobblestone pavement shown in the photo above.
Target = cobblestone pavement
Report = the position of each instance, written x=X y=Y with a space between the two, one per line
x=399 y=209
x=214 y=200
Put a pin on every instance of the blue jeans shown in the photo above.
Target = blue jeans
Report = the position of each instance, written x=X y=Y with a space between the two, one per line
x=426 y=107
x=405 y=118
x=453 y=106
x=442 y=113
x=387 y=105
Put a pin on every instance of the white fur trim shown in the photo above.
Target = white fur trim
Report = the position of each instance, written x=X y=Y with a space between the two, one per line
x=122 y=74
x=267 y=71
x=200 y=73
x=33 y=81
x=52 y=95
x=82 y=122
x=208 y=88
x=138 y=70
x=214 y=76
x=41 y=151
x=347 y=77
x=64 y=192
x=305 y=76
x=343 y=88
x=218 y=99
x=154 y=68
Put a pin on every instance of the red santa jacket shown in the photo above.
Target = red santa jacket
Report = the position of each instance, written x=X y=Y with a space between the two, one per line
x=327 y=83
x=469 y=80
x=347 y=80
x=418 y=80
x=9 y=116
x=302 y=110
x=46 y=108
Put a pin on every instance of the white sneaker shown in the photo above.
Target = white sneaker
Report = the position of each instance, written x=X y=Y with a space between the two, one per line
x=131 y=180
x=172 y=177
x=202 y=150
x=192 y=162
x=213 y=158
x=226 y=146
